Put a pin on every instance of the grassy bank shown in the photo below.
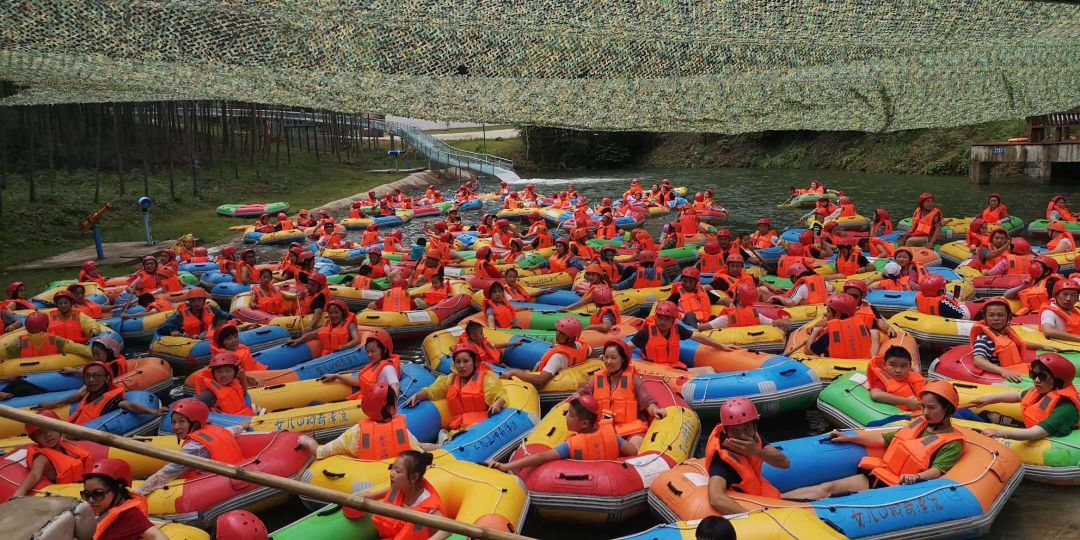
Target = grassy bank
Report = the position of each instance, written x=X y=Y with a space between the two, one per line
x=50 y=226
x=941 y=151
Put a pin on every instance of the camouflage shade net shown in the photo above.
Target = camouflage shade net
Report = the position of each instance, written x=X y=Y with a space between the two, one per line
x=673 y=65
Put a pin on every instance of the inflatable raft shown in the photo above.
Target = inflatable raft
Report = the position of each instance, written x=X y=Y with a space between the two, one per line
x=1037 y=228
x=957 y=228
x=118 y=422
x=276 y=238
x=188 y=353
x=807 y=200
x=252 y=210
x=419 y=322
x=962 y=503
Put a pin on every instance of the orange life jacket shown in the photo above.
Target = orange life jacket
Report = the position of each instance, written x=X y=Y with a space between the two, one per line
x=1036 y=407
x=848 y=338
x=696 y=302
x=230 y=398
x=1071 y=318
x=601 y=444
x=272 y=302
x=1065 y=214
x=930 y=305
x=712 y=263
x=762 y=241
x=620 y=399
x=89 y=409
x=333 y=336
x=606 y=232
x=663 y=349
x=381 y=440
x=245 y=273
x=583 y=251
x=219 y=442
x=611 y=270
x=849 y=265
x=397 y=299
x=504 y=313
x=994 y=215
x=466 y=400
x=370 y=374
x=974 y=239
x=388 y=527
x=909 y=453
x=1035 y=296
x=49 y=346
x=380 y=269
x=69 y=460
x=1009 y=349
x=84 y=277
x=193 y=325
x=878 y=377
x=286 y=224
x=748 y=468
x=104 y=522
x=68 y=328
x=902 y=283
x=488 y=352
x=923 y=225
x=576 y=354
x=147 y=282
x=435 y=295
x=1017 y=265
x=598 y=317
x=361 y=282
x=817 y=291
x=848 y=210
x=1054 y=242
x=557 y=263
x=741 y=316
x=370 y=238
x=642 y=281
x=788 y=260
x=688 y=223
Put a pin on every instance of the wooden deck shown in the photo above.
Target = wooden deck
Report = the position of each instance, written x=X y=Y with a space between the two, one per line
x=115 y=253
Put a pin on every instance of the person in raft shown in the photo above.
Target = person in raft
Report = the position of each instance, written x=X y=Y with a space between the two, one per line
x=842 y=333
x=590 y=439
x=892 y=381
x=925 y=449
x=338 y=334
x=98 y=396
x=220 y=386
x=734 y=454
x=198 y=437
x=620 y=389
x=69 y=323
x=121 y=514
x=383 y=367
x=931 y=300
x=659 y=340
x=473 y=392
x=994 y=344
x=1050 y=408
x=925 y=224
x=1060 y=318
x=383 y=434
x=567 y=352
x=408 y=489
x=489 y=352
x=194 y=319
x=52 y=458
x=38 y=341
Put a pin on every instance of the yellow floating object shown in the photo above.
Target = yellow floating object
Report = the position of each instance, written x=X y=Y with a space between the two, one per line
x=178 y=531
x=759 y=337
x=91 y=287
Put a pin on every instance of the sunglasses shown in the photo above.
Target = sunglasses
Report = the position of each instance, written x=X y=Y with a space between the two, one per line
x=95 y=495
x=1038 y=374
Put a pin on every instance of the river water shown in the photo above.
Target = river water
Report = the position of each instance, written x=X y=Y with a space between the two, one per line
x=748 y=194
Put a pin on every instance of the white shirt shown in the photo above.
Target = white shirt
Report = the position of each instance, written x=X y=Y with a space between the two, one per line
x=722 y=321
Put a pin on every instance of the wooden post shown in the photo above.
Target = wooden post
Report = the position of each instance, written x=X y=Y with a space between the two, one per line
x=239 y=473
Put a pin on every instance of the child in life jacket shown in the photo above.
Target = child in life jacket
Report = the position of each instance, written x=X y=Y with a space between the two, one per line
x=227 y=339
x=995 y=346
x=396 y=298
x=734 y=455
x=926 y=448
x=645 y=274
x=1058 y=210
x=591 y=439
x=1035 y=292
x=363 y=280
x=384 y=367
x=489 y=352
x=439 y=289
x=194 y=319
x=695 y=300
x=607 y=314
x=1060 y=318
x=619 y=388
x=198 y=437
x=1050 y=408
x=892 y=380
x=659 y=339
x=1061 y=240
x=383 y=434
x=338 y=334
x=925 y=224
x=473 y=392
x=1015 y=262
x=931 y=300
x=809 y=288
x=16 y=297
x=742 y=313
x=568 y=351
x=408 y=489
x=513 y=288
x=485 y=267
x=220 y=386
x=841 y=333
x=119 y=513
x=108 y=351
x=98 y=396
x=52 y=458
x=497 y=308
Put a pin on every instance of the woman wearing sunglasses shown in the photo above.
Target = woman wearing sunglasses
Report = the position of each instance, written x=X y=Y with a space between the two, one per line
x=120 y=514
x=1051 y=408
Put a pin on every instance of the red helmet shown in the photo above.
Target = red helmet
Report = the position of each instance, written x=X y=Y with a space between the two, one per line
x=999 y=301
x=151 y=258
x=1049 y=263
x=746 y=294
x=806 y=238
x=197 y=292
x=1057 y=226
x=924 y=197
x=846 y=241
x=1021 y=246
x=374 y=251
x=240 y=525
x=735 y=258
x=858 y=285
x=570 y=326
x=723 y=233
x=116 y=470
x=882 y=214
x=224 y=358
x=1058 y=366
x=944 y=389
x=737 y=411
x=200 y=252
x=795 y=250
x=903 y=250
x=764 y=221
x=606 y=201
x=89 y=266
x=446 y=237
x=109 y=343
x=373 y=227
x=712 y=247
x=36 y=322
x=602 y=295
x=594 y=268
x=227 y=251
x=375 y=401
x=691 y=273
x=932 y=285
x=440 y=226
x=1061 y=285
x=993 y=196
x=844 y=200
x=317 y=279
x=465 y=347
x=797 y=269
x=32 y=429
x=357 y=204
x=282 y=215
x=589 y=403
x=64 y=293
x=383 y=339
x=399 y=283
x=192 y=409
x=398 y=234
x=483 y=252
x=502 y=223
x=623 y=347
x=647 y=256
x=247 y=252
x=578 y=234
x=667 y=308
x=842 y=303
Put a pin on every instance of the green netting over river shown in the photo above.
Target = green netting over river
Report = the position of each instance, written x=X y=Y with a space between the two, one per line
x=719 y=66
